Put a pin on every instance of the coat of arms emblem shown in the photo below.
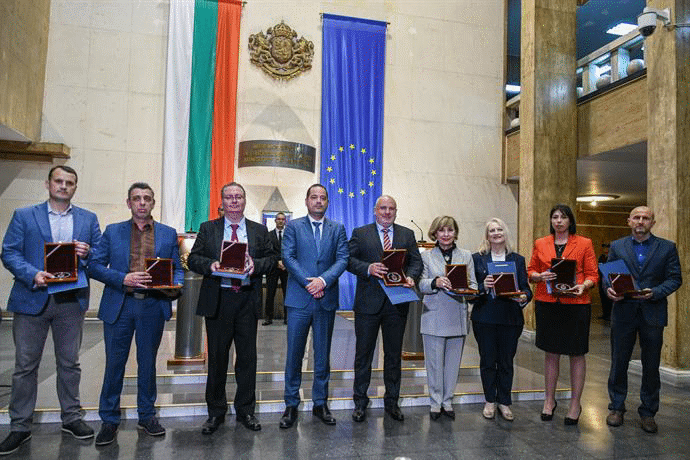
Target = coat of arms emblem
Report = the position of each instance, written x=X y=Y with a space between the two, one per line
x=280 y=53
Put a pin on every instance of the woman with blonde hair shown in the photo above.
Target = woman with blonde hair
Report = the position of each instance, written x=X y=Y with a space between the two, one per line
x=497 y=321
x=444 y=316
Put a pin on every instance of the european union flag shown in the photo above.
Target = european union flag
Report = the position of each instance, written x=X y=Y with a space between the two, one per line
x=354 y=58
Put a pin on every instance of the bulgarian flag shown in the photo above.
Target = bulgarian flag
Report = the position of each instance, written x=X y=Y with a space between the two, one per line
x=200 y=109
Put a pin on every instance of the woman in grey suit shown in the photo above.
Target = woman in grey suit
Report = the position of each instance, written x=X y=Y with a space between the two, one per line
x=444 y=317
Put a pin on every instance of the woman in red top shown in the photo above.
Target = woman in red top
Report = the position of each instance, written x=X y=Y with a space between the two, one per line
x=563 y=320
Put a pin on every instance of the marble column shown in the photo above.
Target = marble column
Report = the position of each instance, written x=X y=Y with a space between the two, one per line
x=548 y=118
x=668 y=161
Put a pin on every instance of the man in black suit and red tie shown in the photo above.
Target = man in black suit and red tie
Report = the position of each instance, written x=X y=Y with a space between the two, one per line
x=278 y=273
x=230 y=307
x=373 y=309
x=654 y=264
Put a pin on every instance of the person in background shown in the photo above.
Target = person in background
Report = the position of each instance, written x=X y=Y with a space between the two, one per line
x=278 y=273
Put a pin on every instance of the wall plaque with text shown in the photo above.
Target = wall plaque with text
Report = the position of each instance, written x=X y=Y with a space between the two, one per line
x=281 y=154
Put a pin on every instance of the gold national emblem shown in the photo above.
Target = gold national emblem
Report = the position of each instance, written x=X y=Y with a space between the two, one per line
x=280 y=53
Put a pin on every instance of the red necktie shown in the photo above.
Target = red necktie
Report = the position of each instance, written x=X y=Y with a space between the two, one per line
x=386 y=239
x=236 y=284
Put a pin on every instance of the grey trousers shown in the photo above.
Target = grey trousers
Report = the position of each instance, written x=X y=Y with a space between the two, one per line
x=442 y=356
x=65 y=319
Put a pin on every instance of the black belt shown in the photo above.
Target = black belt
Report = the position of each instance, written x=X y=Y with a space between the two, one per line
x=140 y=295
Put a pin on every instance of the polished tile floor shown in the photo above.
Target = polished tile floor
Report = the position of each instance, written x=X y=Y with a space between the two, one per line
x=468 y=436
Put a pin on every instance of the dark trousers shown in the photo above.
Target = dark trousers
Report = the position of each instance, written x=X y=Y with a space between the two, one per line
x=623 y=336
x=271 y=287
x=497 y=346
x=391 y=320
x=235 y=321
x=142 y=319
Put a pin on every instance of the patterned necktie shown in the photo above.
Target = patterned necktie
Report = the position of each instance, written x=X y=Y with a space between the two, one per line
x=236 y=284
x=317 y=235
x=386 y=239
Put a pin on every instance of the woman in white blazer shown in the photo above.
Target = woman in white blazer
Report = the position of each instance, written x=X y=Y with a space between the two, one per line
x=444 y=322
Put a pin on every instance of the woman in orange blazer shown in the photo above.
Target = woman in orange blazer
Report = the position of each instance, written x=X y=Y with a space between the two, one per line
x=563 y=321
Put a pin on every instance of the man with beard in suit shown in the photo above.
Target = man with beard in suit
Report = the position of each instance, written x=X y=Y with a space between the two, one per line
x=315 y=254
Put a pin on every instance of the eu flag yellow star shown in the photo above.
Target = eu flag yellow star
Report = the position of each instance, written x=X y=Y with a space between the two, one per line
x=351 y=195
x=332 y=181
x=373 y=172
x=340 y=190
x=329 y=169
x=371 y=160
x=371 y=184
x=362 y=192
x=332 y=157
x=340 y=149
x=352 y=146
x=363 y=150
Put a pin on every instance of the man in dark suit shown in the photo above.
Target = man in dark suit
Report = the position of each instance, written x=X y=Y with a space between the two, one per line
x=231 y=306
x=128 y=308
x=278 y=273
x=373 y=309
x=655 y=265
x=36 y=311
x=315 y=255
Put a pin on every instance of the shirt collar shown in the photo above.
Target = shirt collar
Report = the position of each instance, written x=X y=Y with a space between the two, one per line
x=645 y=242
x=52 y=211
x=241 y=224
x=312 y=220
x=380 y=227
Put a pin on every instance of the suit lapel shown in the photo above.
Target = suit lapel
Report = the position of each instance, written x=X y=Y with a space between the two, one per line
x=157 y=240
x=126 y=237
x=77 y=223
x=374 y=236
x=41 y=216
x=630 y=257
x=569 y=247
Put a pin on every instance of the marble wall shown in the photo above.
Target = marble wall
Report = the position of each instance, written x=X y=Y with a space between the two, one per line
x=443 y=107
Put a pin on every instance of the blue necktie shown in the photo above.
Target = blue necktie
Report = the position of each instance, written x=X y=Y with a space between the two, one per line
x=317 y=235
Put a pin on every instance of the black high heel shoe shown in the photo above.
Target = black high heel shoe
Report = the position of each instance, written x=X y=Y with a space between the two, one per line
x=572 y=421
x=548 y=417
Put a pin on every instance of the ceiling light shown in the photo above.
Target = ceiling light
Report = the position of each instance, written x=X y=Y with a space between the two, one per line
x=594 y=198
x=622 y=28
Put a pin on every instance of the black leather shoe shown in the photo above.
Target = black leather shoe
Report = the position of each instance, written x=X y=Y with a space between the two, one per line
x=395 y=413
x=448 y=413
x=359 y=414
x=324 y=414
x=289 y=417
x=13 y=441
x=434 y=415
x=212 y=424
x=267 y=322
x=250 y=422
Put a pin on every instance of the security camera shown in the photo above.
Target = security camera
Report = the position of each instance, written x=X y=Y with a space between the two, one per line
x=646 y=22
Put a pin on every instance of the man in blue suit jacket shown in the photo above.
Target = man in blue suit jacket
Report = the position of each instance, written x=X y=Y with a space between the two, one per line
x=36 y=311
x=127 y=305
x=315 y=255
x=655 y=265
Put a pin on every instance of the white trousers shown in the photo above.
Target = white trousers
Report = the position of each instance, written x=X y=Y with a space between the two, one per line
x=442 y=356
